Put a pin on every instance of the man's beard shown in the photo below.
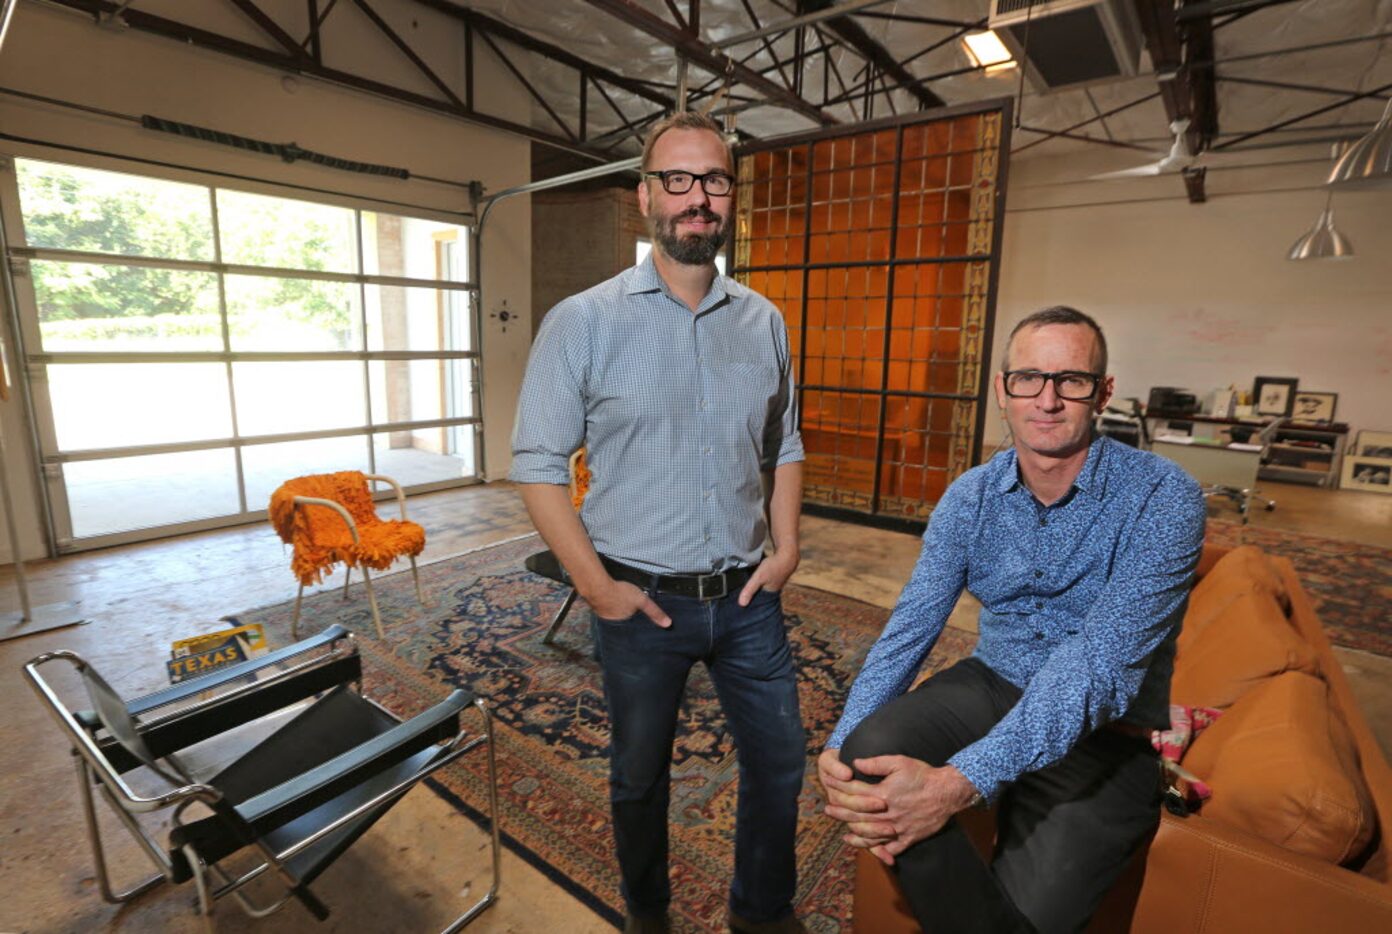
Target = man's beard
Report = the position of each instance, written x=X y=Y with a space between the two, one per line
x=692 y=249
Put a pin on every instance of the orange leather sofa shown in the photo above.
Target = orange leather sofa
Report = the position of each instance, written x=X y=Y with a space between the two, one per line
x=1294 y=838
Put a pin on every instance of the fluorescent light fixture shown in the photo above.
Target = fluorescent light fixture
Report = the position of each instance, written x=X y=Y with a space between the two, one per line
x=986 y=50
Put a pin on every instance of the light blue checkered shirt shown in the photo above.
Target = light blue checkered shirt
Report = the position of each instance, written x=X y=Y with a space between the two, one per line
x=679 y=414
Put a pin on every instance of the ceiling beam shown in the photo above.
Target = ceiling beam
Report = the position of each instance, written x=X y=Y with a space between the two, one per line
x=554 y=52
x=1203 y=9
x=1361 y=95
x=1198 y=47
x=702 y=55
x=141 y=21
x=269 y=27
x=855 y=36
x=1167 y=51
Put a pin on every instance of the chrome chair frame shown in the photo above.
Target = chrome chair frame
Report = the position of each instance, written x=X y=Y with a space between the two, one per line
x=348 y=568
x=96 y=768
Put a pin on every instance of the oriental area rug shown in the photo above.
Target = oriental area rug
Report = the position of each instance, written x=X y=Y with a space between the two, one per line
x=482 y=631
x=1350 y=584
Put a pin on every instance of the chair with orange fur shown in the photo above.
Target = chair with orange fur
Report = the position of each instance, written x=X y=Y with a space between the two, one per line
x=330 y=519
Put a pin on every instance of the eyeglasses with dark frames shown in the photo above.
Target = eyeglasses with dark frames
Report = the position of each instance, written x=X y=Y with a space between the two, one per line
x=1073 y=385
x=679 y=181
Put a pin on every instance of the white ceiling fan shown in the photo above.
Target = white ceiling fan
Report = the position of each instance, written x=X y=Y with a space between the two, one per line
x=1179 y=158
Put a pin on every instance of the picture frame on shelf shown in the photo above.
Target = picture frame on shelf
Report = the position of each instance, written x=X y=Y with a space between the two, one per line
x=1371 y=474
x=1309 y=406
x=1373 y=444
x=1274 y=395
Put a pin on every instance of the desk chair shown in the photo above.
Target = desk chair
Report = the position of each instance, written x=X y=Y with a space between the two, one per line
x=332 y=763
x=1223 y=470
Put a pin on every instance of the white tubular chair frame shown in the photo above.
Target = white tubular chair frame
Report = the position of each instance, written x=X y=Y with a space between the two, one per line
x=343 y=513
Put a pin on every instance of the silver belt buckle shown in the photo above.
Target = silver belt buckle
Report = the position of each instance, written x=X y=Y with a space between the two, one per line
x=701 y=593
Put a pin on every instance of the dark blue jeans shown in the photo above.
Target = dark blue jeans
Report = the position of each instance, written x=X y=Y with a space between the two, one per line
x=645 y=668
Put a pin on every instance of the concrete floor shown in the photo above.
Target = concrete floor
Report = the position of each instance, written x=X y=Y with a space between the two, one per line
x=422 y=864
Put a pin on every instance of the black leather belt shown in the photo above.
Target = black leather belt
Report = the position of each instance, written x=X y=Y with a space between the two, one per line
x=700 y=586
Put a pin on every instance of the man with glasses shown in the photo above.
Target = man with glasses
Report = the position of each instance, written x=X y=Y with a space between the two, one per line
x=678 y=382
x=1082 y=552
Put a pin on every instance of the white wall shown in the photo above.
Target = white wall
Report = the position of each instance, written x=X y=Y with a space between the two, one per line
x=55 y=53
x=1201 y=295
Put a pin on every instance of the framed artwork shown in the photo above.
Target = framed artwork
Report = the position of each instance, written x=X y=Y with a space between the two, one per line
x=1373 y=444
x=1373 y=474
x=1314 y=406
x=1274 y=395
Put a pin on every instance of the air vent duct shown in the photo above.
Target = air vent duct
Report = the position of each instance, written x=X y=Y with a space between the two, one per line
x=1070 y=42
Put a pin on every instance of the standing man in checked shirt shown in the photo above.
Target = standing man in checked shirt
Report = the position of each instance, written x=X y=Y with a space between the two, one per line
x=678 y=382
x=1082 y=552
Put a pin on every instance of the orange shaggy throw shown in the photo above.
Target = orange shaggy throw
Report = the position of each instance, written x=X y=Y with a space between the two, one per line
x=320 y=538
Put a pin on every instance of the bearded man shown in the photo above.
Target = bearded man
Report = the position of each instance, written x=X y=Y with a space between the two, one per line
x=678 y=383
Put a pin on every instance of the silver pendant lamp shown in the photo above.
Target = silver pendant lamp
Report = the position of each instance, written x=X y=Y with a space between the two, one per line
x=1322 y=241
x=1368 y=162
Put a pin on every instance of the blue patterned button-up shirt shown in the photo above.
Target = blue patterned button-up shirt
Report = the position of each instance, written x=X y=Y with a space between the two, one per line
x=679 y=414
x=1081 y=602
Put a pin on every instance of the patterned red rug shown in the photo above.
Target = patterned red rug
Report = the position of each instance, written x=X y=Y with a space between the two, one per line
x=483 y=632
x=1349 y=583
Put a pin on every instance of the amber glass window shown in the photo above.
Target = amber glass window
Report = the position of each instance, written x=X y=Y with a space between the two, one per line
x=879 y=245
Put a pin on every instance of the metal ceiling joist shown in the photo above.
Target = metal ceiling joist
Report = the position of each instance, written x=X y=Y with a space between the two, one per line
x=270 y=27
x=1203 y=9
x=1050 y=134
x=712 y=60
x=762 y=35
x=293 y=58
x=826 y=12
x=1361 y=95
x=854 y=35
x=406 y=50
x=547 y=50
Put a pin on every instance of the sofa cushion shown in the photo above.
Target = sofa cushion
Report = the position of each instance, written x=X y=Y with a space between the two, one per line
x=1248 y=642
x=1283 y=766
x=1241 y=571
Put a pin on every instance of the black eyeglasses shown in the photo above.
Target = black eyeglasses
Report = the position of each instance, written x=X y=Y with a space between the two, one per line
x=679 y=182
x=1073 y=385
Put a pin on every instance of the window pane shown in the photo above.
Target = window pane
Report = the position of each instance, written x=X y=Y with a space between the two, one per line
x=420 y=390
x=267 y=466
x=426 y=456
x=123 y=493
x=293 y=314
x=414 y=248
x=71 y=208
x=277 y=398
x=108 y=405
x=258 y=230
x=93 y=307
x=400 y=318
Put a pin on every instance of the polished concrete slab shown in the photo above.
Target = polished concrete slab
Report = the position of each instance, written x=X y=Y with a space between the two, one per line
x=420 y=866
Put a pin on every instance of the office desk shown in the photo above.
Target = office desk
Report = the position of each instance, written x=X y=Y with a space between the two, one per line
x=1300 y=452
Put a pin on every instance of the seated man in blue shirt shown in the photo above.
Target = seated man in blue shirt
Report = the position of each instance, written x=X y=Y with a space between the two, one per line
x=1082 y=552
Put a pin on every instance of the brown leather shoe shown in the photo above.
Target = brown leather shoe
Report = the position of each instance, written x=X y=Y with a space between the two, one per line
x=647 y=924
x=788 y=925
